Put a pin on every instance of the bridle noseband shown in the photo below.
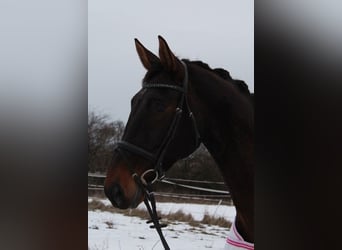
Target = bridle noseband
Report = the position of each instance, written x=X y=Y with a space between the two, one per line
x=157 y=159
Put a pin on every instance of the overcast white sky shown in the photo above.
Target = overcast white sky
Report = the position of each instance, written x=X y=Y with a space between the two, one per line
x=220 y=33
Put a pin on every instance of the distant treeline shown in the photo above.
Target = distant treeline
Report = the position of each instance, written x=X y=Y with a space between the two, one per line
x=103 y=134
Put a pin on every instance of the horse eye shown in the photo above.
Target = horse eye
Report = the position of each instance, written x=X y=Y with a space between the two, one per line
x=159 y=106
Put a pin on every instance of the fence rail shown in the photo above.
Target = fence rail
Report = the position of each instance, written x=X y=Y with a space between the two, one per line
x=168 y=179
x=171 y=181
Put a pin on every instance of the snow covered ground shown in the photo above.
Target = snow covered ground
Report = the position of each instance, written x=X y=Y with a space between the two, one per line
x=116 y=231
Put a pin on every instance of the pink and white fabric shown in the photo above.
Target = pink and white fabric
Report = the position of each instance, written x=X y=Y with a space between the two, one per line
x=234 y=241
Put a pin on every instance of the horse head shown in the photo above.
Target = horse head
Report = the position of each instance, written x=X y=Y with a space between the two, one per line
x=160 y=130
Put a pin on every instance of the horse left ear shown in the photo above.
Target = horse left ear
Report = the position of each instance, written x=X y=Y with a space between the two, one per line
x=147 y=58
x=167 y=58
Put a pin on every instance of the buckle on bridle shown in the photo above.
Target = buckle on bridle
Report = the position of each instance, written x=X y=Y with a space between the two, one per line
x=143 y=180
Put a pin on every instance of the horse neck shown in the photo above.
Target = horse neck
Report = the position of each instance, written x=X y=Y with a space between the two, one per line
x=225 y=119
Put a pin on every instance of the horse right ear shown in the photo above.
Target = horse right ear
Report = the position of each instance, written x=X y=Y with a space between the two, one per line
x=147 y=58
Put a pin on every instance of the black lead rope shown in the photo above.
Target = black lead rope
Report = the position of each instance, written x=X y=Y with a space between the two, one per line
x=150 y=204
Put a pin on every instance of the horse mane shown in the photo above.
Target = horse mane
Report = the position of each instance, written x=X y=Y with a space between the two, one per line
x=224 y=74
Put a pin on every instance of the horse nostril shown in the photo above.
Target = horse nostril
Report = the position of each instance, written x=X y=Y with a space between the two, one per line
x=116 y=195
x=116 y=190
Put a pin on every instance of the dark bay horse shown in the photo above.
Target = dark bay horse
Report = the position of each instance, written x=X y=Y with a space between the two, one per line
x=181 y=104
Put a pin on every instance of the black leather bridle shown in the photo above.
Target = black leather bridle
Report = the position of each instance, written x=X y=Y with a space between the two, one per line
x=157 y=159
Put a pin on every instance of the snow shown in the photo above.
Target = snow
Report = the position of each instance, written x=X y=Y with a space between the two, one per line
x=116 y=231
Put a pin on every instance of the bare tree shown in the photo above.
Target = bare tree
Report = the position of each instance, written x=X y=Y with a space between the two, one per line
x=102 y=135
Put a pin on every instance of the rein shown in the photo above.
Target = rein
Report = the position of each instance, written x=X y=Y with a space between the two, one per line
x=157 y=159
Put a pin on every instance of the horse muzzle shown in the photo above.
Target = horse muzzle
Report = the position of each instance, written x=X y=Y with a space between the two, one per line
x=118 y=197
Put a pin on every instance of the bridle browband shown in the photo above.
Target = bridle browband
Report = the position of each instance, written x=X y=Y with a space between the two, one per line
x=157 y=159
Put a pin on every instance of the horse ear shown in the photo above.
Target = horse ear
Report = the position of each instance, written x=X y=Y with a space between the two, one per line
x=167 y=58
x=147 y=58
